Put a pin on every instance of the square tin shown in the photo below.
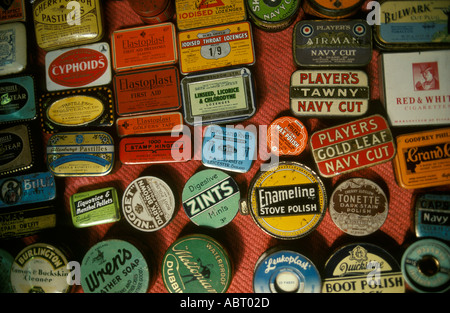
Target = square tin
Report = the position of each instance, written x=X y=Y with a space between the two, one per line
x=432 y=215
x=12 y=11
x=13 y=52
x=17 y=99
x=16 y=149
x=150 y=124
x=218 y=97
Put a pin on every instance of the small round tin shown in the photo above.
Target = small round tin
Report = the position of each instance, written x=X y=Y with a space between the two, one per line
x=274 y=15
x=358 y=206
x=285 y=271
x=288 y=200
x=114 y=266
x=287 y=136
x=196 y=264
x=426 y=264
x=6 y=261
x=148 y=203
x=211 y=198
x=332 y=9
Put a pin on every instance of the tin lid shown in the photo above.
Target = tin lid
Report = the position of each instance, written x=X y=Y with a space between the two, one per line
x=426 y=264
x=288 y=200
x=164 y=16
x=115 y=266
x=6 y=261
x=13 y=11
x=196 y=264
x=18 y=96
x=273 y=15
x=18 y=149
x=148 y=203
x=211 y=198
x=432 y=215
x=13 y=54
x=285 y=271
x=169 y=122
x=362 y=268
x=334 y=9
x=148 y=8
x=40 y=268
x=287 y=136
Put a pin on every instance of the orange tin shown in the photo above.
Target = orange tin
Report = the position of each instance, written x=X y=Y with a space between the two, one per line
x=332 y=9
x=150 y=124
x=287 y=136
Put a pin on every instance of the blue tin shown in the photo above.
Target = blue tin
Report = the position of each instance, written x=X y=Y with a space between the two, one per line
x=17 y=99
x=433 y=216
x=228 y=148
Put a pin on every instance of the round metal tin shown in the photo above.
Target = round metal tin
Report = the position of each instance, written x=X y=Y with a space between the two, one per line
x=332 y=9
x=285 y=271
x=358 y=206
x=148 y=203
x=6 y=261
x=273 y=15
x=115 y=266
x=426 y=264
x=362 y=268
x=287 y=136
x=211 y=198
x=196 y=264
x=288 y=200
x=148 y=8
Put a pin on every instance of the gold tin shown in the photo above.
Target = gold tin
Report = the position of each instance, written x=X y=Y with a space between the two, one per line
x=16 y=149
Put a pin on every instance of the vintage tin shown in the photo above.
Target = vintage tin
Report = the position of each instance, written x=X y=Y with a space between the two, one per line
x=12 y=11
x=273 y=15
x=13 y=52
x=147 y=8
x=17 y=99
x=285 y=271
x=211 y=198
x=150 y=124
x=155 y=149
x=330 y=93
x=218 y=97
x=148 y=203
x=144 y=47
x=362 y=268
x=77 y=67
x=95 y=207
x=228 y=148
x=287 y=136
x=352 y=146
x=288 y=200
x=16 y=149
x=414 y=87
x=165 y=16
x=423 y=159
x=346 y=43
x=59 y=24
x=115 y=266
x=216 y=47
x=358 y=206
x=332 y=9
x=147 y=91
x=412 y=25
x=196 y=264
x=6 y=261
x=425 y=265
x=40 y=268
x=89 y=153
x=75 y=109
x=432 y=213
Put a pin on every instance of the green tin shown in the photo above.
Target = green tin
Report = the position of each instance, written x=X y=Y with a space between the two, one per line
x=273 y=15
x=6 y=261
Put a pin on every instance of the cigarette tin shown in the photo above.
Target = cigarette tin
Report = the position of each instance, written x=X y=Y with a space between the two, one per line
x=13 y=11
x=332 y=9
x=13 y=52
x=432 y=215
x=329 y=93
x=414 y=87
x=17 y=99
x=216 y=47
x=89 y=153
x=77 y=67
x=287 y=136
x=144 y=47
x=150 y=124
x=147 y=91
x=218 y=97
x=352 y=146
x=16 y=149
x=423 y=159
x=362 y=268
x=273 y=15
x=287 y=200
x=6 y=261
x=59 y=24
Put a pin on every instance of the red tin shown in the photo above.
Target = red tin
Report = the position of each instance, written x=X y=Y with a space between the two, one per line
x=150 y=124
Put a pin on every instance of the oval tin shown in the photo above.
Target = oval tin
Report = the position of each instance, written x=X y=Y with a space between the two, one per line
x=88 y=153
x=352 y=146
x=362 y=268
x=150 y=124
x=16 y=149
x=13 y=11
x=17 y=99
x=287 y=136
x=287 y=201
x=423 y=159
x=196 y=264
x=332 y=9
x=211 y=198
x=425 y=265
x=13 y=48
x=6 y=261
x=273 y=15
x=432 y=216
x=330 y=93
x=338 y=44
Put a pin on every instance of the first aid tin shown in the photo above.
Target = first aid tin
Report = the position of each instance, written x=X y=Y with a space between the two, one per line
x=332 y=9
x=13 y=11
x=432 y=215
x=16 y=149
x=13 y=52
x=273 y=15
x=287 y=136
x=17 y=99
x=150 y=124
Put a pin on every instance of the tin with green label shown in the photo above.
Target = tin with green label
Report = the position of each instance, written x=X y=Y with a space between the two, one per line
x=274 y=15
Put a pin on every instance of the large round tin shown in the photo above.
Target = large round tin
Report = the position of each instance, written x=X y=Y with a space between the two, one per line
x=274 y=15
x=196 y=264
x=285 y=271
x=6 y=261
x=426 y=264
x=148 y=203
x=332 y=9
x=287 y=136
x=114 y=266
x=358 y=206
x=362 y=268
x=288 y=200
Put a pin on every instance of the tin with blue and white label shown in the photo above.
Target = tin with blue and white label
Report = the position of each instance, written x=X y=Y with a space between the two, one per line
x=433 y=216
x=17 y=99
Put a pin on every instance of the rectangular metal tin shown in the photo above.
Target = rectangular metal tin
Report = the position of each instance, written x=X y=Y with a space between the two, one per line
x=216 y=47
x=432 y=218
x=13 y=55
x=17 y=99
x=150 y=124
x=423 y=159
x=16 y=149
x=203 y=102
x=330 y=93
x=14 y=11
x=352 y=146
x=147 y=91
